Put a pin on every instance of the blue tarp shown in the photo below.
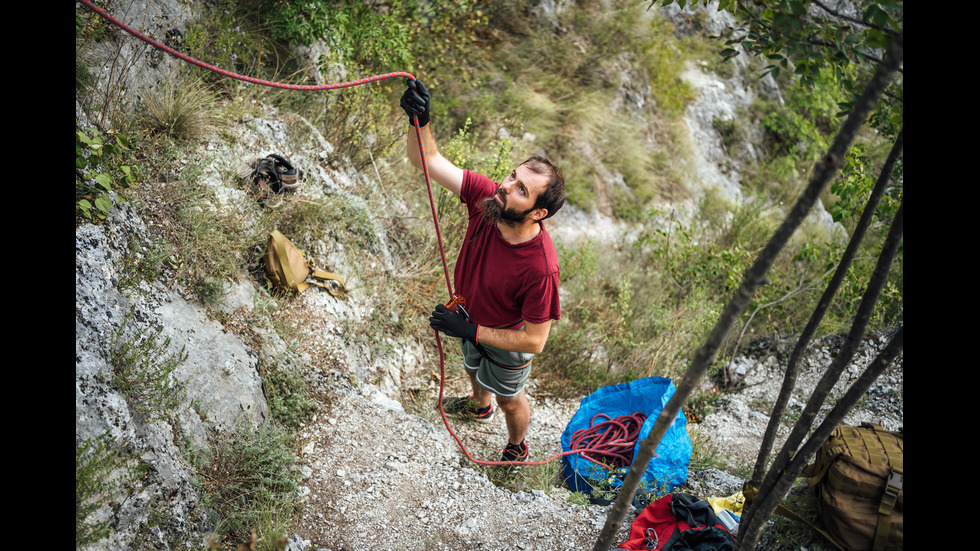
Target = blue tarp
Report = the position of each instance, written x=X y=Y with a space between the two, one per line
x=667 y=469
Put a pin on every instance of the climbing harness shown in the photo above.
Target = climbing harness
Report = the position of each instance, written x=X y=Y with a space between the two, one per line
x=455 y=300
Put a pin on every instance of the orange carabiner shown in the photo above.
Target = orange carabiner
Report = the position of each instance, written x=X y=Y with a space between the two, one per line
x=458 y=304
x=456 y=301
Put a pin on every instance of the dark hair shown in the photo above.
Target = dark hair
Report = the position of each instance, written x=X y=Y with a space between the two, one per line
x=553 y=197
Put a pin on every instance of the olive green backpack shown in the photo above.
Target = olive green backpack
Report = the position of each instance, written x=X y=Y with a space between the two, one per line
x=858 y=476
x=286 y=268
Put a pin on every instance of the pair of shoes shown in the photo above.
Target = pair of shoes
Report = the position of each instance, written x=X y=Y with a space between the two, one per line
x=468 y=408
x=268 y=178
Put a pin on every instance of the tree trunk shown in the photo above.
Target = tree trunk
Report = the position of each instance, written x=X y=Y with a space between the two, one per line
x=754 y=277
x=792 y=368
x=788 y=463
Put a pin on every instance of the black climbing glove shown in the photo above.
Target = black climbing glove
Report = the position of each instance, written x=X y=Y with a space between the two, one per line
x=416 y=101
x=452 y=323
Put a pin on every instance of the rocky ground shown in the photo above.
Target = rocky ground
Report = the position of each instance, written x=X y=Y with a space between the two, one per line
x=381 y=477
x=380 y=471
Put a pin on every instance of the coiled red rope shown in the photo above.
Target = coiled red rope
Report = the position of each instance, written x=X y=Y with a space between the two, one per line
x=614 y=438
x=425 y=169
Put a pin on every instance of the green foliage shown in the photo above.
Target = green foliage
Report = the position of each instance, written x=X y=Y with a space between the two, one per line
x=355 y=31
x=250 y=481
x=605 y=492
x=102 y=165
x=794 y=38
x=808 y=39
x=227 y=36
x=384 y=36
x=802 y=127
x=143 y=368
x=288 y=394
x=497 y=161
x=99 y=472
x=890 y=308
x=854 y=185
x=613 y=329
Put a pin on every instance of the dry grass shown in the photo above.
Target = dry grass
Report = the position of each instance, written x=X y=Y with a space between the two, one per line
x=180 y=110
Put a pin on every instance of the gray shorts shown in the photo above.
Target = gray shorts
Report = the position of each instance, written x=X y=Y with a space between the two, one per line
x=502 y=381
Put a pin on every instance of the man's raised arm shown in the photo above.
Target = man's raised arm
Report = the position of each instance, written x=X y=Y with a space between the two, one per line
x=416 y=101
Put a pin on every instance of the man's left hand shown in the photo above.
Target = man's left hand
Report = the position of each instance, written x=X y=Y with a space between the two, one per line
x=452 y=323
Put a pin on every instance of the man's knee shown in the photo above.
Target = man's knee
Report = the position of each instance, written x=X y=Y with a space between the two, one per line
x=517 y=403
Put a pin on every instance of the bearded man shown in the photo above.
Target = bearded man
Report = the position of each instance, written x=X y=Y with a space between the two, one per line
x=508 y=272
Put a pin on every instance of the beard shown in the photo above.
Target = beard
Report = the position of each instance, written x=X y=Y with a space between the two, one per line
x=494 y=212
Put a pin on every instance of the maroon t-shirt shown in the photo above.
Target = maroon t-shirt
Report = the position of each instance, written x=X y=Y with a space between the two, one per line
x=504 y=283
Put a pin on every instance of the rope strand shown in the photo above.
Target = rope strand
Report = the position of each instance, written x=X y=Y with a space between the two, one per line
x=590 y=449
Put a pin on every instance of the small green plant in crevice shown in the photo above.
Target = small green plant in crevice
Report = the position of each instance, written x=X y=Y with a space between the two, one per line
x=604 y=492
x=287 y=393
x=102 y=165
x=727 y=129
x=99 y=472
x=144 y=262
x=248 y=478
x=704 y=453
x=143 y=368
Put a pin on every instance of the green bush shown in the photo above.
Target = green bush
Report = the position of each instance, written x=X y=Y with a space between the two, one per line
x=250 y=481
x=99 y=472
x=102 y=165
x=143 y=370
x=288 y=394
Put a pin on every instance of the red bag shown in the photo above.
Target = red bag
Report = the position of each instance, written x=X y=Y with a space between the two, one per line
x=678 y=522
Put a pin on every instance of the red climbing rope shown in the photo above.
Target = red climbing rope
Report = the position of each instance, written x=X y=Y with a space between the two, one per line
x=615 y=437
x=252 y=80
x=425 y=169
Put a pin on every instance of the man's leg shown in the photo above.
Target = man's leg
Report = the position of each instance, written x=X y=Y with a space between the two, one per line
x=517 y=412
x=480 y=396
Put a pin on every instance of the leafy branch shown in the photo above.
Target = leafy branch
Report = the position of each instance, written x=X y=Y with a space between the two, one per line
x=101 y=166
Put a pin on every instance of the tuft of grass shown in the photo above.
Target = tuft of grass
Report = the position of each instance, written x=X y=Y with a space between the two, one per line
x=545 y=477
x=250 y=482
x=143 y=368
x=97 y=477
x=181 y=110
x=287 y=393
x=704 y=454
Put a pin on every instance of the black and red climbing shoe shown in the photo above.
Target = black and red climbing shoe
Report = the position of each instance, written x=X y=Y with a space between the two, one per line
x=517 y=452
x=468 y=409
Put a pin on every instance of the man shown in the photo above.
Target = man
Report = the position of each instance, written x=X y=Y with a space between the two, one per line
x=507 y=271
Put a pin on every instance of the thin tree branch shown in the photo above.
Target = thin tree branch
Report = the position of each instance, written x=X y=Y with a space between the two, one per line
x=780 y=477
x=754 y=277
x=801 y=288
x=854 y=20
x=792 y=367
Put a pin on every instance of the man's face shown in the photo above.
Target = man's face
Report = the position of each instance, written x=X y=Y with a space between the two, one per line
x=513 y=202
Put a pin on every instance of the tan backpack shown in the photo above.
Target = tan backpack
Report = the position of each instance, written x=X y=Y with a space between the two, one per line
x=858 y=476
x=286 y=269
